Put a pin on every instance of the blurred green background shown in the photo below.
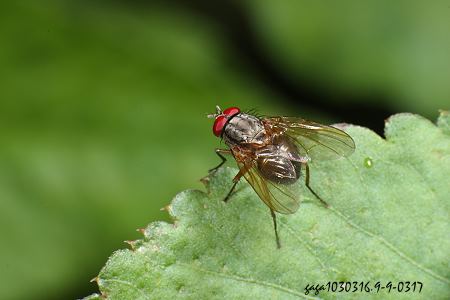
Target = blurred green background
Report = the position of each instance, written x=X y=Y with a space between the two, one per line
x=103 y=107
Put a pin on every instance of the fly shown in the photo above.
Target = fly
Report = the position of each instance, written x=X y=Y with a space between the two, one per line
x=271 y=152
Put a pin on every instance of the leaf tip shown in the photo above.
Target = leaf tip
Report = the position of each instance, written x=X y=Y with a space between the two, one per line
x=166 y=208
x=443 y=121
x=95 y=297
x=400 y=123
x=132 y=244
x=205 y=180
x=393 y=117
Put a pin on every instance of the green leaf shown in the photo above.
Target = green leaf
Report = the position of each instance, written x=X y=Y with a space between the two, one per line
x=388 y=221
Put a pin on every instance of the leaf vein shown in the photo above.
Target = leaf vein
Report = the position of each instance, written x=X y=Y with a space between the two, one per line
x=308 y=247
x=384 y=241
x=127 y=283
x=390 y=246
x=248 y=280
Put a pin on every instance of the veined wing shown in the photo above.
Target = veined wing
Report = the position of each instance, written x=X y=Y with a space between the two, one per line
x=281 y=198
x=314 y=140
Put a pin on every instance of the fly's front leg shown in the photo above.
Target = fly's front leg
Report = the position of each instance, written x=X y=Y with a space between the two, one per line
x=219 y=152
x=227 y=197
x=310 y=189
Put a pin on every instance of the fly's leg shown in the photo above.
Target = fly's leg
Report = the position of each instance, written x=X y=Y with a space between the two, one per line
x=310 y=189
x=227 y=197
x=274 y=218
x=219 y=152
x=236 y=179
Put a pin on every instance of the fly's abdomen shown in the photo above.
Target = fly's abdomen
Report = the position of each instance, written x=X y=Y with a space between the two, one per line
x=279 y=169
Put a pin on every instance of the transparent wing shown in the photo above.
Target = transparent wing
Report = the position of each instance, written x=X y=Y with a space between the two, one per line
x=314 y=140
x=281 y=198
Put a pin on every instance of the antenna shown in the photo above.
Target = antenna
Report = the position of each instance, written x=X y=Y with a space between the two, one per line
x=218 y=113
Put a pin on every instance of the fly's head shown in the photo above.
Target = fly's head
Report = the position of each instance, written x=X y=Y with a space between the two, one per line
x=221 y=118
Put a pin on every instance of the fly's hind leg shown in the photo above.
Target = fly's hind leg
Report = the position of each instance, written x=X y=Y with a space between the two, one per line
x=274 y=218
x=310 y=189
x=219 y=153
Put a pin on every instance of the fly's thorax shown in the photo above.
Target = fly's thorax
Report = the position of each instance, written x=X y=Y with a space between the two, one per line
x=244 y=129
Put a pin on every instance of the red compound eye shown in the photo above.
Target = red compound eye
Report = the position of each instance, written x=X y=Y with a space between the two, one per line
x=231 y=111
x=218 y=125
x=222 y=119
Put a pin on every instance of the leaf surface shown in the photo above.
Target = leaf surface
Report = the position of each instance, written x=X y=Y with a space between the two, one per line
x=388 y=222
